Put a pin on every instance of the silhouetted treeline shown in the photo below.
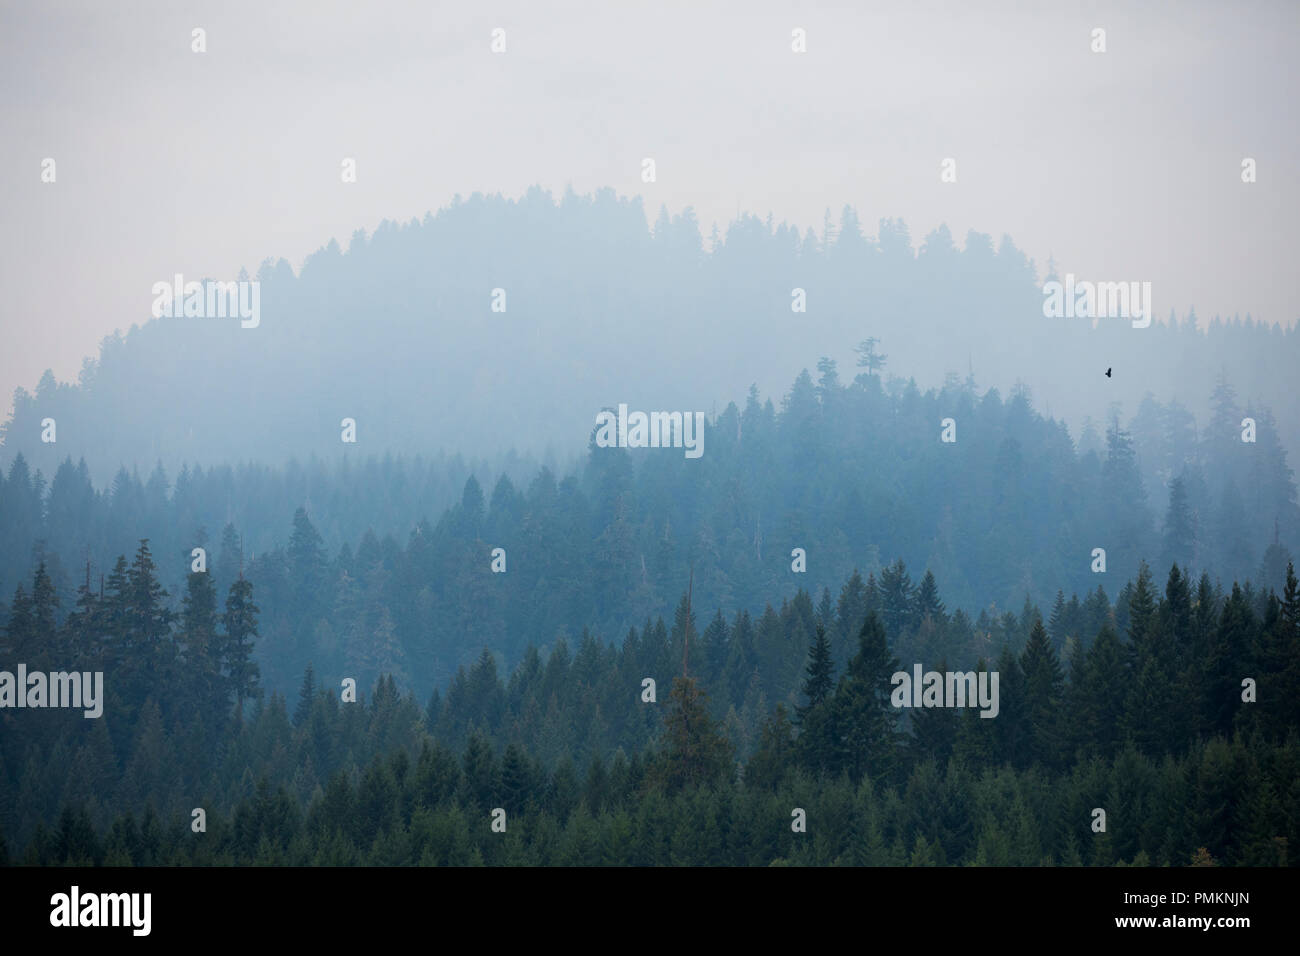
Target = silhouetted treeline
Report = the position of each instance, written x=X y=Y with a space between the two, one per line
x=1141 y=709
x=398 y=332
x=1226 y=803
x=855 y=474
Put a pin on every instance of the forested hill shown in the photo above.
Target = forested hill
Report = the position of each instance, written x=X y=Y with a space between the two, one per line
x=398 y=333
x=354 y=569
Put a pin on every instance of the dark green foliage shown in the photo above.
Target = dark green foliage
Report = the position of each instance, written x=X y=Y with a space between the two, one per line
x=386 y=781
x=694 y=753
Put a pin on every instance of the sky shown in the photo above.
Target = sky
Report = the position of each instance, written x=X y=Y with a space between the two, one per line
x=1122 y=165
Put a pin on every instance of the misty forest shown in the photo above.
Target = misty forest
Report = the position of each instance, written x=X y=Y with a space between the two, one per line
x=569 y=654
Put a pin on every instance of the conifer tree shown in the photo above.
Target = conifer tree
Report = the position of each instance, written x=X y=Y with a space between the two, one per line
x=306 y=696
x=819 y=681
x=240 y=622
x=1043 y=693
x=694 y=752
x=203 y=663
x=864 y=723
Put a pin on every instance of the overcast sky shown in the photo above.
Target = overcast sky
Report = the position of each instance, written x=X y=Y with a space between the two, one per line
x=1123 y=165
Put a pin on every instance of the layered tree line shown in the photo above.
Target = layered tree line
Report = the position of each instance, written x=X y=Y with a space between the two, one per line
x=606 y=301
x=1138 y=707
x=853 y=472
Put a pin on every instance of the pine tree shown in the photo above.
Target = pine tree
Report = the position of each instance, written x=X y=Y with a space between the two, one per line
x=694 y=752
x=1282 y=659
x=1096 y=612
x=306 y=696
x=481 y=775
x=1226 y=663
x=774 y=757
x=147 y=648
x=516 y=779
x=928 y=603
x=976 y=743
x=897 y=603
x=1141 y=608
x=864 y=723
x=45 y=603
x=825 y=609
x=20 y=631
x=240 y=622
x=820 y=679
x=203 y=648
x=1098 y=700
x=1043 y=692
x=82 y=627
x=1057 y=628
x=934 y=730
x=815 y=744
x=1011 y=730
x=1180 y=528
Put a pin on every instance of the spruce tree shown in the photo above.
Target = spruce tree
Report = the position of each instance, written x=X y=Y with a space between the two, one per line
x=694 y=752
x=1226 y=663
x=45 y=603
x=306 y=696
x=1043 y=693
x=1057 y=628
x=864 y=723
x=203 y=647
x=820 y=674
x=20 y=630
x=1180 y=527
x=240 y=622
x=934 y=730
x=928 y=603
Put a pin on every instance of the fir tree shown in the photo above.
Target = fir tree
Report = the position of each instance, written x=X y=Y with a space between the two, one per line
x=694 y=752
x=1044 y=691
x=306 y=696
x=864 y=724
x=820 y=674
x=240 y=622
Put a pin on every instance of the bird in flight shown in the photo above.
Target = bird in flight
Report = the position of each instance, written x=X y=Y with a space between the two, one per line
x=1108 y=373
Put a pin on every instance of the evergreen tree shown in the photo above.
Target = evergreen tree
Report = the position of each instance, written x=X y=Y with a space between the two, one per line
x=1227 y=662
x=897 y=602
x=694 y=752
x=1057 y=627
x=864 y=723
x=45 y=603
x=20 y=630
x=203 y=648
x=774 y=757
x=819 y=681
x=928 y=603
x=934 y=730
x=1180 y=528
x=306 y=697
x=240 y=622
x=1044 y=687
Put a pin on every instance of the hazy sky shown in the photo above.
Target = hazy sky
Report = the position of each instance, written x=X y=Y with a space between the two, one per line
x=1123 y=165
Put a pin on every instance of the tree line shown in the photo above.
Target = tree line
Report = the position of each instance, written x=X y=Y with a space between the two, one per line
x=1143 y=717
x=854 y=474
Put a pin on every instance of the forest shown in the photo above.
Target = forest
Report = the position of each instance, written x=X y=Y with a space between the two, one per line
x=385 y=566
x=1136 y=708
x=643 y=658
x=397 y=330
